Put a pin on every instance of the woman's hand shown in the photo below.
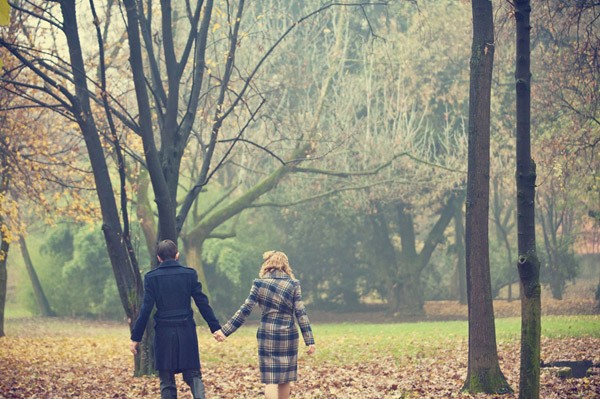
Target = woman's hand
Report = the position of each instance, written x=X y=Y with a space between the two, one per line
x=219 y=336
x=311 y=349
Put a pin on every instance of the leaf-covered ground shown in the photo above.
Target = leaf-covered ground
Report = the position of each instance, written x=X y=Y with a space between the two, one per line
x=50 y=358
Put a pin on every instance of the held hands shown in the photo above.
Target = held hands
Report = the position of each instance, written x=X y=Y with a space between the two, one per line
x=219 y=336
x=311 y=349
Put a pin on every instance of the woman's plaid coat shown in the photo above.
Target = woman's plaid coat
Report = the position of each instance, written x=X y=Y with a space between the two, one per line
x=280 y=299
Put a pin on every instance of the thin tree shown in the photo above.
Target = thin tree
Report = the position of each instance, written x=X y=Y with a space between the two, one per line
x=484 y=374
x=528 y=263
x=4 y=247
x=460 y=279
x=4 y=243
x=38 y=291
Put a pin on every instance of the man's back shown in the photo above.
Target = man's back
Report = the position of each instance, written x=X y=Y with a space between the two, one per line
x=172 y=286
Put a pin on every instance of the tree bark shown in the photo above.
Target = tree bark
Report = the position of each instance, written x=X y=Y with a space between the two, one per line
x=528 y=263
x=484 y=374
x=38 y=291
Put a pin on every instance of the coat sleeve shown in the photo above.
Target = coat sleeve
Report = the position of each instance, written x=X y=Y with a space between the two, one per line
x=201 y=301
x=147 y=304
x=300 y=312
x=240 y=316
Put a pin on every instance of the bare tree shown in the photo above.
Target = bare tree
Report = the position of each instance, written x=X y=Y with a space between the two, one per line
x=173 y=86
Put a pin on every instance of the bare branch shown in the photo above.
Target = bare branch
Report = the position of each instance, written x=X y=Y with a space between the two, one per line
x=376 y=169
x=329 y=193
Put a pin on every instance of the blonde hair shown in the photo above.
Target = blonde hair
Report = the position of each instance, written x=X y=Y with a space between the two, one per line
x=275 y=260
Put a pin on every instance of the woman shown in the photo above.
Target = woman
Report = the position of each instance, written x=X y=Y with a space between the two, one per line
x=279 y=297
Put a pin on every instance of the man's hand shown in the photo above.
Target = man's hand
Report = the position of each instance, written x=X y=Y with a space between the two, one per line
x=311 y=349
x=133 y=347
x=219 y=336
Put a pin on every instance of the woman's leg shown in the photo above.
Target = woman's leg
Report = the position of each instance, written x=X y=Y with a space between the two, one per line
x=271 y=391
x=284 y=390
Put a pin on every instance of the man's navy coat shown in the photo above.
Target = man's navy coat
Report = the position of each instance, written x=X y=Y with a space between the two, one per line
x=170 y=287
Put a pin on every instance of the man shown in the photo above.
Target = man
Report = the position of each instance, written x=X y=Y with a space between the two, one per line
x=170 y=287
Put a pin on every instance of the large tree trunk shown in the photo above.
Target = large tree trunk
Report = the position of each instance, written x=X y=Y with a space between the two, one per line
x=38 y=291
x=528 y=264
x=484 y=374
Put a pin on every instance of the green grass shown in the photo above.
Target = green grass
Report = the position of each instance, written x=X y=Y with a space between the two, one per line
x=571 y=326
x=16 y=312
x=350 y=343
x=343 y=343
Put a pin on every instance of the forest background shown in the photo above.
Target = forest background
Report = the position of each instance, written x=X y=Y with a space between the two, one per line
x=204 y=122
x=369 y=105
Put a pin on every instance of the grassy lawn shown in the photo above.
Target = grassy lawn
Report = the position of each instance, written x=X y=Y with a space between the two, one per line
x=352 y=343
x=337 y=343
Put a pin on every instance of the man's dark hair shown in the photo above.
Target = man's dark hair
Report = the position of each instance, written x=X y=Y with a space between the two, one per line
x=166 y=250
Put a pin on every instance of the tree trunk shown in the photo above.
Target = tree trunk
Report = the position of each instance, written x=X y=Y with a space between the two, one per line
x=528 y=263
x=144 y=360
x=503 y=227
x=404 y=269
x=409 y=295
x=484 y=374
x=193 y=257
x=385 y=257
x=459 y=231
x=38 y=291
x=126 y=272
x=145 y=215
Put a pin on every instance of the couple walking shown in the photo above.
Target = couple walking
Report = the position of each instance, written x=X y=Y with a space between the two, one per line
x=170 y=286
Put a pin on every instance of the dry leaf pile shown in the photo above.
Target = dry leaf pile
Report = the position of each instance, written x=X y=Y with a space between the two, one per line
x=80 y=363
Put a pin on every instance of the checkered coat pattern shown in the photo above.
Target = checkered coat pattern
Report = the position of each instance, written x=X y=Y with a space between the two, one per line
x=280 y=299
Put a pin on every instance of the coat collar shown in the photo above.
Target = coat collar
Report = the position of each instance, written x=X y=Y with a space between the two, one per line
x=169 y=263
x=276 y=274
